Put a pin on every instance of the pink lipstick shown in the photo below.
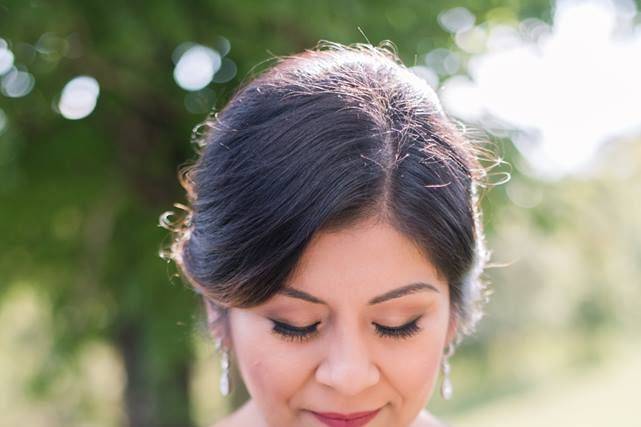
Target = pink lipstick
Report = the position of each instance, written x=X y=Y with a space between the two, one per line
x=357 y=419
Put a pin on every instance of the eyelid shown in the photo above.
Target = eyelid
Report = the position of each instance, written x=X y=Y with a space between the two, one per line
x=295 y=328
x=294 y=333
x=416 y=319
x=407 y=330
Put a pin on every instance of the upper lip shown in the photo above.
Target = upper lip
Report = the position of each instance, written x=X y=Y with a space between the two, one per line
x=351 y=416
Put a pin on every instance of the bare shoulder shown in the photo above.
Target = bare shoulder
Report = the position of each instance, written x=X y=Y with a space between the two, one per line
x=426 y=419
x=231 y=420
x=224 y=422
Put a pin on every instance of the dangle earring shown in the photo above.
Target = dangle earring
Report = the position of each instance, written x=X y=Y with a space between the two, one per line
x=224 y=384
x=446 y=386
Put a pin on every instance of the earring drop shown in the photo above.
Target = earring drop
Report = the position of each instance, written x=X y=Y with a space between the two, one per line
x=224 y=384
x=446 y=386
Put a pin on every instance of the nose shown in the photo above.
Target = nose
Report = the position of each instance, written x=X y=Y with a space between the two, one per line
x=347 y=366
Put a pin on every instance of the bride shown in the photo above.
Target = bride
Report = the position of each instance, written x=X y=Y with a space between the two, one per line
x=335 y=236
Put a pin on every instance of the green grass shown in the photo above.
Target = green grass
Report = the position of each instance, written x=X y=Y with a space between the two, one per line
x=606 y=395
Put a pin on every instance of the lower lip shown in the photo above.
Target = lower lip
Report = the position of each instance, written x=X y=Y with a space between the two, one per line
x=354 y=422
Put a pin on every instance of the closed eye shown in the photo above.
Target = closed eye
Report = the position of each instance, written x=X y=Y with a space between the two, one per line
x=294 y=333
x=407 y=330
x=301 y=334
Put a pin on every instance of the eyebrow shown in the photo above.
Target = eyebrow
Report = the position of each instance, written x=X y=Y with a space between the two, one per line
x=394 y=293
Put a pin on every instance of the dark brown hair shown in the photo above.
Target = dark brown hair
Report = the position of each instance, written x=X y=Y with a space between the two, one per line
x=319 y=141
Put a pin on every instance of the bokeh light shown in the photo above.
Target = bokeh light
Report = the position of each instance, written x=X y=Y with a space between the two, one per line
x=17 y=83
x=79 y=97
x=52 y=47
x=6 y=57
x=443 y=61
x=226 y=72
x=195 y=66
x=427 y=74
x=456 y=19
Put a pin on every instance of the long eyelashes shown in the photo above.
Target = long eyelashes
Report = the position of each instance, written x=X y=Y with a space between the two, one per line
x=293 y=333
x=296 y=334
x=405 y=331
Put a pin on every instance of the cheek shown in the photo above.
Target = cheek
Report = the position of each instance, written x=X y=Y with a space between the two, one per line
x=413 y=373
x=272 y=373
x=416 y=373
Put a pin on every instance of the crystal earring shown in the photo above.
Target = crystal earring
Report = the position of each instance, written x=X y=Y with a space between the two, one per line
x=224 y=384
x=446 y=386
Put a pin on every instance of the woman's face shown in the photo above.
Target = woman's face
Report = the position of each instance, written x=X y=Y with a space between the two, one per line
x=346 y=337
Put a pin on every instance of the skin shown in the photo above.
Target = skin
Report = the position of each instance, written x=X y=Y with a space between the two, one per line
x=346 y=366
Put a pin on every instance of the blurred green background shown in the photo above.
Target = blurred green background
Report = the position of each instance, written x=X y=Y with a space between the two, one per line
x=98 y=103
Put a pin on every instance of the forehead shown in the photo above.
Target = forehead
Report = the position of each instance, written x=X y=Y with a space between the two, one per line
x=367 y=258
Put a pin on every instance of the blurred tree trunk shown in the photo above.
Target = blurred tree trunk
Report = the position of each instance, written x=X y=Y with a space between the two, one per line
x=157 y=387
x=152 y=399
